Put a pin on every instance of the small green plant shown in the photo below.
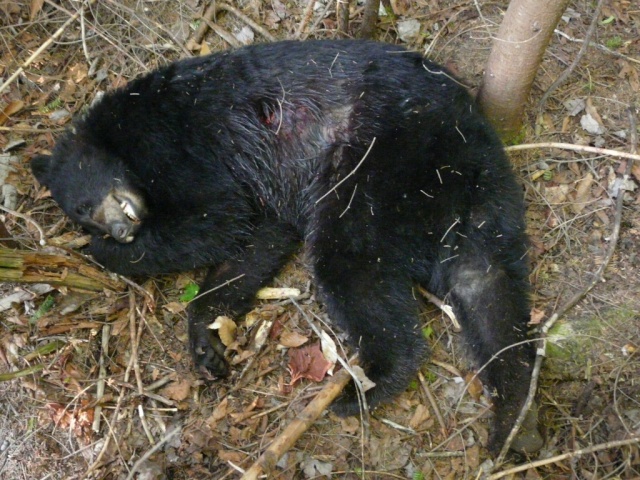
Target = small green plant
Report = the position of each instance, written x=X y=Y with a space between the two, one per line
x=42 y=309
x=429 y=376
x=614 y=43
x=427 y=332
x=51 y=106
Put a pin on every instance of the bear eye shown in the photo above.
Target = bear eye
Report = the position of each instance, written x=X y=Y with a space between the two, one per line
x=83 y=210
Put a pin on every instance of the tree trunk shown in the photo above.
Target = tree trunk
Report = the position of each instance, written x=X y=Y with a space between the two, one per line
x=514 y=60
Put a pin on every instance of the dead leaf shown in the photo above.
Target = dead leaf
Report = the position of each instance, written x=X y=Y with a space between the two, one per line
x=420 y=416
x=218 y=413
x=10 y=109
x=307 y=362
x=178 y=390
x=78 y=72
x=583 y=191
x=591 y=121
x=556 y=195
x=174 y=307
x=635 y=171
x=474 y=385
x=536 y=316
x=349 y=425
x=292 y=339
x=231 y=456
x=400 y=7
x=329 y=350
x=36 y=6
x=630 y=73
x=367 y=383
x=77 y=419
x=226 y=329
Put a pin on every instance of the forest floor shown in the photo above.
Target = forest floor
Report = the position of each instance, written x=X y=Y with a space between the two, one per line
x=155 y=407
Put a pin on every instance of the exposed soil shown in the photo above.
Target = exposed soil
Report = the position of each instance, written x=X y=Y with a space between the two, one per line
x=589 y=393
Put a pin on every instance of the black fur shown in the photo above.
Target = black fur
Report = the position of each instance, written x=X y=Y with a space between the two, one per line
x=238 y=157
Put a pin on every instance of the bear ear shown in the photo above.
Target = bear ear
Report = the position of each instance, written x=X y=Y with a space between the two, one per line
x=41 y=168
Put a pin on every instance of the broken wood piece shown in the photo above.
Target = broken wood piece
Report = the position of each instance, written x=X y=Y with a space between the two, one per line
x=21 y=266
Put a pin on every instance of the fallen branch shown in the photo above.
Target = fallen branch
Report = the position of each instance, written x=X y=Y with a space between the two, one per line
x=564 y=456
x=306 y=418
x=19 y=266
x=575 y=148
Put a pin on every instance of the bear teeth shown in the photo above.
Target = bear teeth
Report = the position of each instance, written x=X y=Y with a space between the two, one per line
x=128 y=211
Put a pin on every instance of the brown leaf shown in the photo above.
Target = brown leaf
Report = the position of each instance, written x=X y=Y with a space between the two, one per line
x=308 y=362
x=292 y=339
x=36 y=6
x=78 y=419
x=536 y=316
x=231 y=456
x=219 y=413
x=583 y=190
x=178 y=390
x=474 y=385
x=204 y=49
x=175 y=307
x=630 y=73
x=420 y=416
x=226 y=329
x=10 y=109
x=593 y=111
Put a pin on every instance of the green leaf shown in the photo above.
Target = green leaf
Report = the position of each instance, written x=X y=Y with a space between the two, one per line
x=190 y=292
x=608 y=20
x=427 y=332
x=42 y=309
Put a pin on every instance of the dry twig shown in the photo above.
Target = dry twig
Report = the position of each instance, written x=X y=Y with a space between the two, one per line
x=575 y=148
x=564 y=456
x=301 y=424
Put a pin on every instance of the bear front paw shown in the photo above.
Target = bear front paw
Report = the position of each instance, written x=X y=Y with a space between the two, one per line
x=207 y=351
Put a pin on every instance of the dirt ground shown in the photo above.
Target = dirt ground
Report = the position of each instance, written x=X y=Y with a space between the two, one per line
x=119 y=356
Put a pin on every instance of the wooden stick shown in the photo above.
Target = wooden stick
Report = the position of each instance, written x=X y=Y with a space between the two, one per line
x=576 y=453
x=267 y=461
x=575 y=148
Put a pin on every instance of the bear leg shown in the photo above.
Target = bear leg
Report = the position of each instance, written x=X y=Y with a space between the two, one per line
x=230 y=289
x=492 y=305
x=375 y=305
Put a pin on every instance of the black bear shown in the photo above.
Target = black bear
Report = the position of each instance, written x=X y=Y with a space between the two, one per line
x=373 y=156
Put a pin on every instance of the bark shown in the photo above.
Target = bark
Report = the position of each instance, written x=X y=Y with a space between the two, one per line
x=514 y=60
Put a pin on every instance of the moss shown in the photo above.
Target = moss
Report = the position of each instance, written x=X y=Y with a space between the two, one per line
x=575 y=343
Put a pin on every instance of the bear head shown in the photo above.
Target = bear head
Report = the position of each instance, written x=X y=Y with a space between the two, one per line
x=94 y=188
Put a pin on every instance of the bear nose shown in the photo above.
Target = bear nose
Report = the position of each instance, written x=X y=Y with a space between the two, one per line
x=120 y=231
